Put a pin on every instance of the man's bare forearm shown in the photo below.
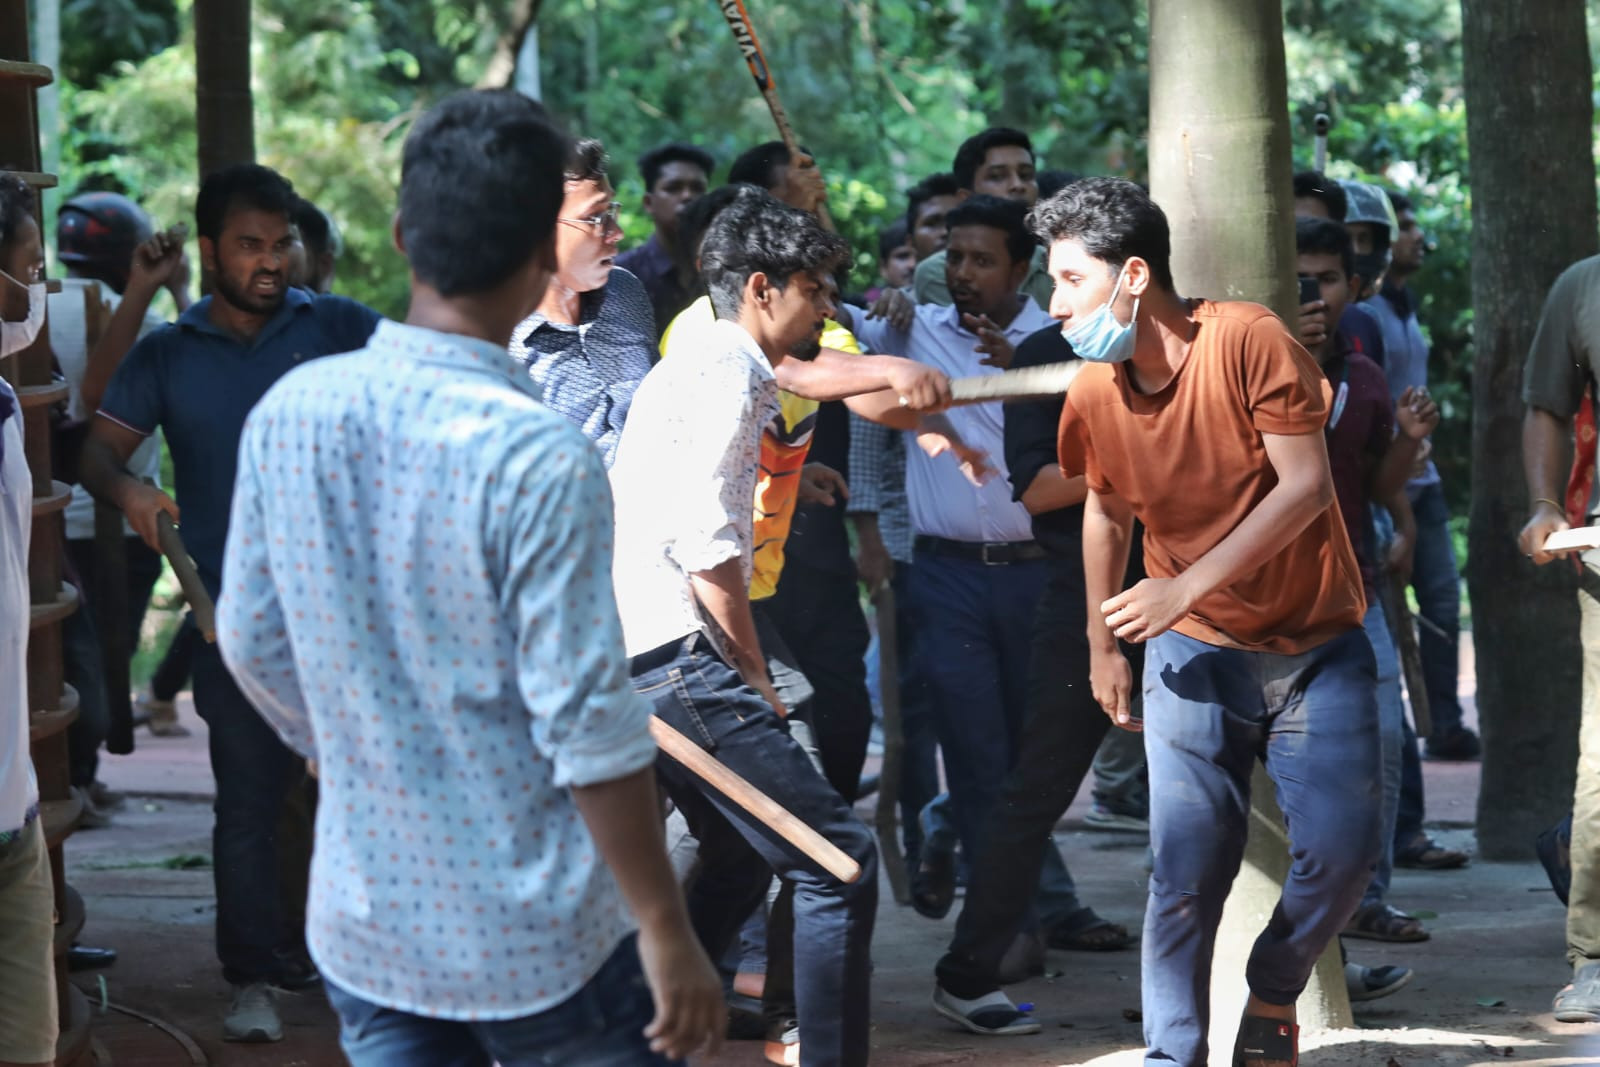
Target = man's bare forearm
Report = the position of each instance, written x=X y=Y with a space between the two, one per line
x=1280 y=517
x=1052 y=490
x=1394 y=469
x=836 y=375
x=1107 y=538
x=103 y=472
x=118 y=339
x=725 y=595
x=624 y=818
x=1546 y=455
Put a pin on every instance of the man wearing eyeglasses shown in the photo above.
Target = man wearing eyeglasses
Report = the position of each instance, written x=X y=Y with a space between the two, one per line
x=591 y=340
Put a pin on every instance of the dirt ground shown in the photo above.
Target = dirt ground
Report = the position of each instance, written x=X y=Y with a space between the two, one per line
x=1481 y=994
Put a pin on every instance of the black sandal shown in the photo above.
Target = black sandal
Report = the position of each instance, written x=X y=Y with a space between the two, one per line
x=1261 y=1038
x=933 y=884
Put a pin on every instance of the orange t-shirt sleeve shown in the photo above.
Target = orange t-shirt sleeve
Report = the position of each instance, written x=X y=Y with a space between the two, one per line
x=1285 y=390
x=1075 y=451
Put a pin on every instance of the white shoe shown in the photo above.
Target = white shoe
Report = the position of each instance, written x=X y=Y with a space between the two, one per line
x=253 y=1016
x=993 y=1015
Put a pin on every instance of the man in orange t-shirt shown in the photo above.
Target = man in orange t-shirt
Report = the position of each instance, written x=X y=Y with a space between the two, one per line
x=1204 y=421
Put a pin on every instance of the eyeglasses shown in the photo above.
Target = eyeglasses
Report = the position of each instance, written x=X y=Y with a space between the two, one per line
x=601 y=222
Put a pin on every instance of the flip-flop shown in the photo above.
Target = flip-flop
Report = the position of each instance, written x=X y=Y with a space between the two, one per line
x=1381 y=922
x=1261 y=1038
x=1424 y=854
x=1098 y=935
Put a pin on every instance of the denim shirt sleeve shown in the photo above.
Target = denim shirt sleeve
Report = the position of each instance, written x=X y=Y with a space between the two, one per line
x=557 y=594
x=251 y=631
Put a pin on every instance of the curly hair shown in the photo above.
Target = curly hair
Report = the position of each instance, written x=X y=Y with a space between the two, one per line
x=757 y=232
x=1113 y=219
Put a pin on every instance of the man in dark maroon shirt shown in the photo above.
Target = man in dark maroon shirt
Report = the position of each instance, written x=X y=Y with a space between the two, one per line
x=1370 y=463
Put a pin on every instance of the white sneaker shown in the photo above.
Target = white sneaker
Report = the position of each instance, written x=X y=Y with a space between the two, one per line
x=253 y=1016
x=1373 y=983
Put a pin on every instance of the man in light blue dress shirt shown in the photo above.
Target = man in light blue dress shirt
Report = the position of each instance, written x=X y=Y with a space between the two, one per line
x=418 y=598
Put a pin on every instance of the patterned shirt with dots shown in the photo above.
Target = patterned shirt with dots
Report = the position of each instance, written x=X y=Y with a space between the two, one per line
x=418 y=596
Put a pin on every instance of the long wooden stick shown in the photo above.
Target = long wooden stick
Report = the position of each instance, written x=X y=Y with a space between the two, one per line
x=1392 y=591
x=767 y=811
x=894 y=744
x=194 y=590
x=744 y=34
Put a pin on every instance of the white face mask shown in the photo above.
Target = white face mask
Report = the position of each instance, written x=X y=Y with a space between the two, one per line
x=15 y=336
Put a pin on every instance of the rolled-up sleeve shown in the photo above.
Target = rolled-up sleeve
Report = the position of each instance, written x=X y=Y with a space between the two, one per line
x=572 y=672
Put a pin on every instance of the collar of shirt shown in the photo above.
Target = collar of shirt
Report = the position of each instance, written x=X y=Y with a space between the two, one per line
x=589 y=305
x=455 y=350
x=1029 y=319
x=198 y=319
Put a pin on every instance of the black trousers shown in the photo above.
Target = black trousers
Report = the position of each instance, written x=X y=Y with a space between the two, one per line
x=1063 y=728
x=818 y=613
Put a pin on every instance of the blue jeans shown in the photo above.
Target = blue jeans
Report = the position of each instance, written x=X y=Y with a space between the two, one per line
x=703 y=698
x=1391 y=723
x=919 y=769
x=1209 y=714
x=1438 y=587
x=601 y=1025
x=254 y=770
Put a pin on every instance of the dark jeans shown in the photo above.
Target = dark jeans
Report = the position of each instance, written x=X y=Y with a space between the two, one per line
x=173 y=672
x=1438 y=587
x=818 y=612
x=83 y=657
x=707 y=701
x=1064 y=728
x=254 y=770
x=601 y=1025
x=1209 y=714
x=975 y=633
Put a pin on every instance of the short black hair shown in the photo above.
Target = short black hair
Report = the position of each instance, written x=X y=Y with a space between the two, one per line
x=941 y=184
x=758 y=166
x=480 y=188
x=891 y=237
x=693 y=221
x=1114 y=219
x=1314 y=236
x=1315 y=185
x=1400 y=200
x=975 y=149
x=316 y=233
x=1010 y=217
x=654 y=161
x=1052 y=182
x=756 y=231
x=587 y=161
x=246 y=185
x=17 y=202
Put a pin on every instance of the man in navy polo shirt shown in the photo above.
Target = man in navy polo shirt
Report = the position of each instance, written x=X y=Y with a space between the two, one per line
x=196 y=380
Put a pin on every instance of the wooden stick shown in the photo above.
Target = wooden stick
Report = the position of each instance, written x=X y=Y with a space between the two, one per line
x=194 y=590
x=1392 y=591
x=767 y=811
x=887 y=817
x=1025 y=383
x=744 y=33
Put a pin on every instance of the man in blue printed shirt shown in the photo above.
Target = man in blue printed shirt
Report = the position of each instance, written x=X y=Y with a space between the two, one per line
x=419 y=598
x=196 y=380
x=592 y=338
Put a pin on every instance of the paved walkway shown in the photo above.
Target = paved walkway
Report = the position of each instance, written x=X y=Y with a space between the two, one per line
x=1481 y=995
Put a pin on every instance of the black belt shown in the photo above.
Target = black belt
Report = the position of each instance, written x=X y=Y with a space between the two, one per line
x=992 y=553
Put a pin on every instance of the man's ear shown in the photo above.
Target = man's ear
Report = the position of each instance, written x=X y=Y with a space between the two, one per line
x=547 y=254
x=962 y=194
x=759 y=290
x=396 y=235
x=208 y=255
x=1354 y=282
x=647 y=202
x=1136 y=276
x=1019 y=271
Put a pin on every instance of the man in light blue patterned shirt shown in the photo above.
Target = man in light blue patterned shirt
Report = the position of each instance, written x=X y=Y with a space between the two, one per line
x=418 y=598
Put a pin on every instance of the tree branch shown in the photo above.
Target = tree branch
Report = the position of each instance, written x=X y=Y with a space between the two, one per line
x=502 y=66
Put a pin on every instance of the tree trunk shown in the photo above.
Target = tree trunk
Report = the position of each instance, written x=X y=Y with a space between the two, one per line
x=1529 y=110
x=1221 y=168
x=224 y=109
x=501 y=71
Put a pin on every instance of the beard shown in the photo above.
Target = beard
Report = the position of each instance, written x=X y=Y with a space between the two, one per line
x=241 y=296
x=807 y=350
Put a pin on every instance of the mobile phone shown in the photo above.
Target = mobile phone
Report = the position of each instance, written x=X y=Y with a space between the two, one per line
x=1310 y=290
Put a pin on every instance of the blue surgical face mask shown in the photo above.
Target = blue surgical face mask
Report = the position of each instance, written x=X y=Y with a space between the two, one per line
x=1099 y=337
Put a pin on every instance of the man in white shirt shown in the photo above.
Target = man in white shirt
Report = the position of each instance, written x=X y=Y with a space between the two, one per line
x=685 y=476
x=979 y=572
x=28 y=1024
x=488 y=814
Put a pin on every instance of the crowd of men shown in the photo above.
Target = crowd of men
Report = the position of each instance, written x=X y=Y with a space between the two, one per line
x=468 y=566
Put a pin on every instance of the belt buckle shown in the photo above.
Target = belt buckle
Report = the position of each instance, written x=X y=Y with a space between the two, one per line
x=987 y=562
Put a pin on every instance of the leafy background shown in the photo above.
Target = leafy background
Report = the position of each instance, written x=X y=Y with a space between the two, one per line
x=881 y=90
